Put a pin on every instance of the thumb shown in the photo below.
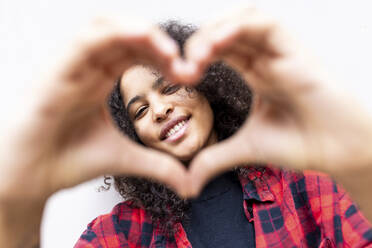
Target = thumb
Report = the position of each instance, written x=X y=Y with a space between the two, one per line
x=154 y=165
x=113 y=154
x=217 y=159
x=255 y=143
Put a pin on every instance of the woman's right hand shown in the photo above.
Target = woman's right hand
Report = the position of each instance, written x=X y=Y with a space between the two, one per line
x=68 y=138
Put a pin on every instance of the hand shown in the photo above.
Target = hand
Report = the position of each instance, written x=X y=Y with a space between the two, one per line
x=298 y=120
x=68 y=139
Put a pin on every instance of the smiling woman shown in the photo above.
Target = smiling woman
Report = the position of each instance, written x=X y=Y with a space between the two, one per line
x=167 y=117
x=60 y=137
x=246 y=207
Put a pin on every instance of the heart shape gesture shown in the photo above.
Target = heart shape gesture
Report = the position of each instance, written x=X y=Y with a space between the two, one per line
x=299 y=120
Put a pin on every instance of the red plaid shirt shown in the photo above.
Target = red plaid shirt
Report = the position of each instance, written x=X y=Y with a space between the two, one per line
x=289 y=210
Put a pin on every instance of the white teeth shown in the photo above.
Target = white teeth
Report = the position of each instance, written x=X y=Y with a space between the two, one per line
x=175 y=129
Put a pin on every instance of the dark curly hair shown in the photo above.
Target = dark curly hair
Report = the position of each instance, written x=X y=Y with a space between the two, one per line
x=230 y=99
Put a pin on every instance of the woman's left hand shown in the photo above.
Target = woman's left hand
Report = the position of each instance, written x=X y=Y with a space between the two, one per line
x=299 y=120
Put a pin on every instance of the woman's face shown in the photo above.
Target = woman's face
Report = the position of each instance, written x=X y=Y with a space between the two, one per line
x=167 y=117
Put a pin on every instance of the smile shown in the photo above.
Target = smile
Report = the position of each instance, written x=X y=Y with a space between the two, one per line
x=175 y=130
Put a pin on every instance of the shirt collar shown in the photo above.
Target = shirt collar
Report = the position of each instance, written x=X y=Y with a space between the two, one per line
x=255 y=184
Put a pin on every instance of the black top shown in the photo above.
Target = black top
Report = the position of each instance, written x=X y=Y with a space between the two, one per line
x=217 y=216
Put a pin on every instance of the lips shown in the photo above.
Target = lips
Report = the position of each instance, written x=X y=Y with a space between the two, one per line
x=172 y=123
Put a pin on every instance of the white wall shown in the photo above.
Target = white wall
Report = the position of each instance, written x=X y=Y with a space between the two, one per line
x=31 y=33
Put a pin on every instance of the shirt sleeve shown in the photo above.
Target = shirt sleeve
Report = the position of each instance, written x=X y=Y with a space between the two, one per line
x=88 y=239
x=124 y=226
x=341 y=223
x=102 y=232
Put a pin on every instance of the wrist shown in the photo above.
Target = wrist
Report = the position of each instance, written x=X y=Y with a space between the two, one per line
x=20 y=223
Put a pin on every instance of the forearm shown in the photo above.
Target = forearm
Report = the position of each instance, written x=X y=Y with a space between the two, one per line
x=357 y=181
x=352 y=167
x=20 y=224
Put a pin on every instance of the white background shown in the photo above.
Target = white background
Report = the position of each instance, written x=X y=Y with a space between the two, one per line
x=32 y=33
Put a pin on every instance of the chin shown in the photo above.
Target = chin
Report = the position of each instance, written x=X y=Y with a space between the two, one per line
x=186 y=151
x=184 y=157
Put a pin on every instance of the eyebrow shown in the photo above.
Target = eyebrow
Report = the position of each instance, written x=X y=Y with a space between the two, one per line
x=133 y=100
x=159 y=82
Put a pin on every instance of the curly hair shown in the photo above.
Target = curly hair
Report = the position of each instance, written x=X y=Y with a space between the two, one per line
x=230 y=99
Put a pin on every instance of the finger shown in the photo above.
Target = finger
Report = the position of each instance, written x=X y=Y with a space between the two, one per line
x=107 y=152
x=256 y=142
x=206 y=46
x=156 y=166
x=101 y=54
x=218 y=158
x=164 y=52
x=108 y=46
x=248 y=28
x=185 y=72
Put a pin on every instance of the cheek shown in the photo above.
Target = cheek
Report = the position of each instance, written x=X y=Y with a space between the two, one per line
x=146 y=135
x=206 y=115
x=187 y=94
x=202 y=106
x=207 y=118
x=197 y=105
x=190 y=98
x=202 y=114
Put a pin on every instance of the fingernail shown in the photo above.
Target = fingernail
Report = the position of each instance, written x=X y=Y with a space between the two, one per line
x=186 y=71
x=168 y=48
x=189 y=68
x=200 y=53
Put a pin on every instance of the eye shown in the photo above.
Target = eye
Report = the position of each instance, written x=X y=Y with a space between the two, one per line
x=170 y=89
x=140 y=112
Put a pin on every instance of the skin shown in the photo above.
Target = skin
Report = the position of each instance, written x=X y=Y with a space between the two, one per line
x=67 y=138
x=159 y=106
x=302 y=120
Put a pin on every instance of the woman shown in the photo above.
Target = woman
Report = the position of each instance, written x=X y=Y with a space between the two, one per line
x=247 y=207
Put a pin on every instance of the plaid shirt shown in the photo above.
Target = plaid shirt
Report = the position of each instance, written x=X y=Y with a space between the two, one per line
x=288 y=210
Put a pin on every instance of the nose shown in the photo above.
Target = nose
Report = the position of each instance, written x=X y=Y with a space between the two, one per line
x=161 y=111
